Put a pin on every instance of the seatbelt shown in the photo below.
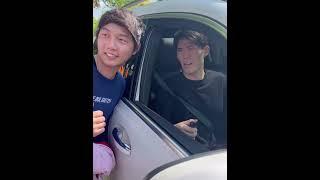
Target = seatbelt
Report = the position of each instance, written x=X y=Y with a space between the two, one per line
x=193 y=110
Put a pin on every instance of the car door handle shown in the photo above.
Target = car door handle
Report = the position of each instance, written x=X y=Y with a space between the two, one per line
x=118 y=136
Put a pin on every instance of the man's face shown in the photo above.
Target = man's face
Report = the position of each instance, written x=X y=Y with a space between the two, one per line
x=115 y=45
x=191 y=57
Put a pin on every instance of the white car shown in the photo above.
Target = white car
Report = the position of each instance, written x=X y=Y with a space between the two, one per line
x=146 y=145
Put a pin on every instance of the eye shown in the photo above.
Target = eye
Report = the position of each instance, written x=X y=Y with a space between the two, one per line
x=104 y=35
x=123 y=40
x=191 y=47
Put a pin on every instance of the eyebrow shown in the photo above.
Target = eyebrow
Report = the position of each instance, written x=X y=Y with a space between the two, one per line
x=106 y=29
x=187 y=46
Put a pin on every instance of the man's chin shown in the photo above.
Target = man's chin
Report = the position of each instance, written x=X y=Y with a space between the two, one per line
x=187 y=71
x=111 y=64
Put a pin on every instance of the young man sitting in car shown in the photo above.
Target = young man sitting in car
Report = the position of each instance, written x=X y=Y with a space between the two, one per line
x=202 y=88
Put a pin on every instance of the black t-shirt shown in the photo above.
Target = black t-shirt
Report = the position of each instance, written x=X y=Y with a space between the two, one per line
x=207 y=95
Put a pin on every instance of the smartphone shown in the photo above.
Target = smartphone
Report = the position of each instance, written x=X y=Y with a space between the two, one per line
x=193 y=124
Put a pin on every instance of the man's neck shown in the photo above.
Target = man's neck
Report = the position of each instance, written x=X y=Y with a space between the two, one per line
x=199 y=75
x=106 y=71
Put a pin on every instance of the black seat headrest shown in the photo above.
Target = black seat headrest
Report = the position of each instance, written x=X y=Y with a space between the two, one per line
x=167 y=61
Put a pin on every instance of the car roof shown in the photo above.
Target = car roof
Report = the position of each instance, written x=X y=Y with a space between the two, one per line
x=215 y=9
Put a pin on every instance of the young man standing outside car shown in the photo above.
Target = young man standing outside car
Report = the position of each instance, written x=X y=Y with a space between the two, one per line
x=118 y=38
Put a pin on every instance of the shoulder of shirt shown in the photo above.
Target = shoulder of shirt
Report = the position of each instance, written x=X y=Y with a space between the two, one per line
x=215 y=74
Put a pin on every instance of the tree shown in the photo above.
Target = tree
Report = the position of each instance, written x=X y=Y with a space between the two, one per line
x=111 y=3
x=96 y=4
x=95 y=25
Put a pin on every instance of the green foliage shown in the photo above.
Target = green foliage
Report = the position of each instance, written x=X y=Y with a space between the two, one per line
x=117 y=3
x=111 y=3
x=95 y=25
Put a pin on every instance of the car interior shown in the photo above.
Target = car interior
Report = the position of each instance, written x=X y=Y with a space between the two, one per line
x=165 y=63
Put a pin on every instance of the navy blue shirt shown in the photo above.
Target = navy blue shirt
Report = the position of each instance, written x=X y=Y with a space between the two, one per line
x=106 y=95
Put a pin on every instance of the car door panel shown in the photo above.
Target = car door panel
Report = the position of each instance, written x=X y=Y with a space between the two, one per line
x=148 y=149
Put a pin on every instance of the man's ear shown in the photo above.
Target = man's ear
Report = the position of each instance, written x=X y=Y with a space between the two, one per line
x=206 y=50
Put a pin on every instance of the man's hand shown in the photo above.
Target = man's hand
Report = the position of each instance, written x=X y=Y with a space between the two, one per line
x=184 y=126
x=98 y=123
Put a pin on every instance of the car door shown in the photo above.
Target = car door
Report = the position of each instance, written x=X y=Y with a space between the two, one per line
x=138 y=143
x=142 y=139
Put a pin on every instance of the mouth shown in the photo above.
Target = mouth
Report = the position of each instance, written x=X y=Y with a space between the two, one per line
x=111 y=55
x=187 y=64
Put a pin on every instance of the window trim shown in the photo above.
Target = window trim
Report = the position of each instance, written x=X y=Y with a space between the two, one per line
x=212 y=23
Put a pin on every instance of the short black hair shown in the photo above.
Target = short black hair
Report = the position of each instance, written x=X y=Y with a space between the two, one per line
x=195 y=37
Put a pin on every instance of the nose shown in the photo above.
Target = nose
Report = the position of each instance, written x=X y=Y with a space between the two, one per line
x=111 y=43
x=185 y=54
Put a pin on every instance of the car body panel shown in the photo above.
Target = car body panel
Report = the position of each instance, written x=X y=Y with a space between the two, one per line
x=194 y=167
x=148 y=149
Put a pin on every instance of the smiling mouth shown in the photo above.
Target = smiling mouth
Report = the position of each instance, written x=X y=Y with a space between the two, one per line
x=110 y=55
